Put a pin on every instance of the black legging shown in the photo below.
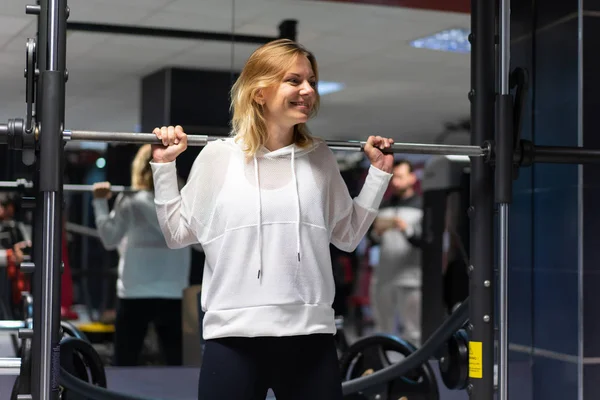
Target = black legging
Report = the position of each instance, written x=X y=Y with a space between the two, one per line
x=295 y=367
x=131 y=326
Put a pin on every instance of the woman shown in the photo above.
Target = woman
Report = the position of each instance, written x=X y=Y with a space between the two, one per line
x=268 y=285
x=151 y=277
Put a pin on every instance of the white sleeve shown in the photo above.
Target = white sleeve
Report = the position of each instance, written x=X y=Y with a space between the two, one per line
x=112 y=226
x=350 y=219
x=185 y=217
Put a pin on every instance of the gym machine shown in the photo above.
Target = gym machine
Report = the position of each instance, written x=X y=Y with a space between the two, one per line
x=445 y=239
x=496 y=154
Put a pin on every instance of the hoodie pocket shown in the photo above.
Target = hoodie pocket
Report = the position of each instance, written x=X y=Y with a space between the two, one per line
x=314 y=273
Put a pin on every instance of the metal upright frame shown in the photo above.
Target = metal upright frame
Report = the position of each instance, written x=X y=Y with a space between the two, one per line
x=50 y=110
x=481 y=210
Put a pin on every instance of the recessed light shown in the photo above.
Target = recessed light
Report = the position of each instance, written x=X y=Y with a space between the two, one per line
x=454 y=40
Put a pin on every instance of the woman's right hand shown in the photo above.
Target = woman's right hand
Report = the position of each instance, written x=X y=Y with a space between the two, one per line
x=101 y=190
x=174 y=142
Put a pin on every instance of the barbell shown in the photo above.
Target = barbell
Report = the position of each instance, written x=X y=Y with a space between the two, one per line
x=14 y=135
x=347 y=145
x=25 y=184
x=203 y=140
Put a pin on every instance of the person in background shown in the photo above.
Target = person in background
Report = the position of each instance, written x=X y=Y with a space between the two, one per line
x=151 y=276
x=396 y=280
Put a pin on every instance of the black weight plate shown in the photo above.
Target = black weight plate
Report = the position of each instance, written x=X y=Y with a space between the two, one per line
x=74 y=364
x=371 y=354
x=71 y=330
x=82 y=351
x=454 y=364
x=15 y=390
x=22 y=384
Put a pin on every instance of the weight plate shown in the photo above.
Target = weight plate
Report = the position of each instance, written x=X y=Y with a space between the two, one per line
x=376 y=352
x=79 y=358
x=454 y=364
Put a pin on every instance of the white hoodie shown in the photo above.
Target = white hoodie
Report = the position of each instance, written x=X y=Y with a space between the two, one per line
x=268 y=267
x=147 y=267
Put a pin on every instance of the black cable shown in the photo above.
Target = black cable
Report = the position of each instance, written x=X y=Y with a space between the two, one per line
x=419 y=357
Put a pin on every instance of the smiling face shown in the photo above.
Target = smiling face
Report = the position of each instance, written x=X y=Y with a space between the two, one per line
x=275 y=94
x=291 y=101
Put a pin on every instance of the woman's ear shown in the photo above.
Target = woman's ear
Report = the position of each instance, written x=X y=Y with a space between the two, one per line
x=259 y=97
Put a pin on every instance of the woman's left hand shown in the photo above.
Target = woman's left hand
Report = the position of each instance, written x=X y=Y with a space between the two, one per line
x=380 y=160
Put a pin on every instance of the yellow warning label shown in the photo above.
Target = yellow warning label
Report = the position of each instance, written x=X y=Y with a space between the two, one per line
x=475 y=360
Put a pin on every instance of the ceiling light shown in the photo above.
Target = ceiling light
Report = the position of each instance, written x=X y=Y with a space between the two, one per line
x=454 y=40
x=325 y=87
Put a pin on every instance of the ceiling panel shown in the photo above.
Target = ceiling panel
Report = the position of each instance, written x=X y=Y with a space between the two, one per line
x=189 y=21
x=117 y=12
x=460 y=6
x=10 y=25
x=14 y=7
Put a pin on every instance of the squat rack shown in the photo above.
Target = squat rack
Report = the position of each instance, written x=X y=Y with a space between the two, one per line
x=493 y=151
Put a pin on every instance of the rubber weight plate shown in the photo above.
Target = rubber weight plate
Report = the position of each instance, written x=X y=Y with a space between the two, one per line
x=454 y=363
x=373 y=353
x=22 y=384
x=79 y=358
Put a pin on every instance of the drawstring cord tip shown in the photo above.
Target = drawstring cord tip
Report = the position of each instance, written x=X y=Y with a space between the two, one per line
x=258 y=276
x=298 y=256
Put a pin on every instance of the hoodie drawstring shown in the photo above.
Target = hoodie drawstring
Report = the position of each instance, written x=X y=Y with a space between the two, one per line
x=297 y=203
x=259 y=224
x=259 y=205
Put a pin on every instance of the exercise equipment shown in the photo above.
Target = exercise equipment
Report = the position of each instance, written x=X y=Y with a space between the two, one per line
x=454 y=361
x=445 y=238
x=22 y=385
x=70 y=330
x=376 y=352
x=80 y=359
x=25 y=185
x=77 y=357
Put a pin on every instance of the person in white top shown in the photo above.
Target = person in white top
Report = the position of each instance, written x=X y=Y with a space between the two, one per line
x=151 y=277
x=265 y=204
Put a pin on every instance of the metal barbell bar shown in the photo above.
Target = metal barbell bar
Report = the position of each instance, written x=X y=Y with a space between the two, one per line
x=6 y=133
x=351 y=145
x=25 y=184
x=203 y=140
x=12 y=325
x=10 y=366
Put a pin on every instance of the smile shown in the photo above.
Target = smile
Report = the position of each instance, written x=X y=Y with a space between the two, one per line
x=300 y=104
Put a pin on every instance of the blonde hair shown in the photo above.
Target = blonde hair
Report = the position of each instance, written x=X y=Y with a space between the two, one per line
x=141 y=172
x=264 y=69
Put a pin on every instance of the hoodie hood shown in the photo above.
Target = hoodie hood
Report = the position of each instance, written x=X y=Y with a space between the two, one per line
x=292 y=151
x=284 y=151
